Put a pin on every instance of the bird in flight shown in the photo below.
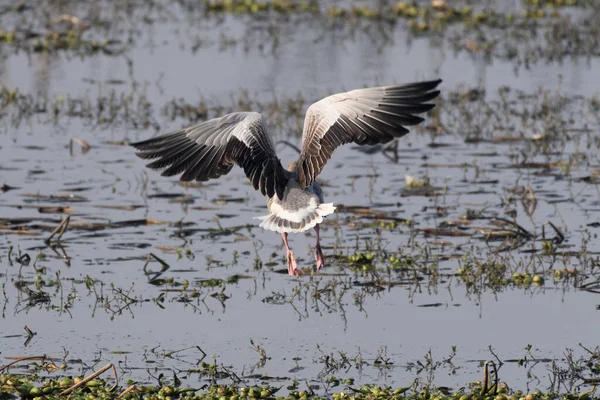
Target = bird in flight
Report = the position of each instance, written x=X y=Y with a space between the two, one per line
x=295 y=201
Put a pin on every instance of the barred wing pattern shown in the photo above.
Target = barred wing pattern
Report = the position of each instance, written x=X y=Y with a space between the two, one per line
x=210 y=149
x=364 y=116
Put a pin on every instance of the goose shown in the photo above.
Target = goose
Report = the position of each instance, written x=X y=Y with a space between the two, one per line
x=210 y=149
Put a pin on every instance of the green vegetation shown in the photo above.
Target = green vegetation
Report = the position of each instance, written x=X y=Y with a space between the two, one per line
x=39 y=387
x=551 y=28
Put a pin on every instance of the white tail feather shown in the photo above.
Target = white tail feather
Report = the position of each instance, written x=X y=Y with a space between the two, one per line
x=326 y=209
x=279 y=223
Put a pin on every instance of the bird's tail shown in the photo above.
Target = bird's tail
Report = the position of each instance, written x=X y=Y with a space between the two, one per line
x=280 y=222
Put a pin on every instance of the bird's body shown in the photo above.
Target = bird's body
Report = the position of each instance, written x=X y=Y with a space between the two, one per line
x=299 y=210
x=294 y=199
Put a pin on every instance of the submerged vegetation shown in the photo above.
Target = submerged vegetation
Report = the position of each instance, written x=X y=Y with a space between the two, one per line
x=100 y=389
x=525 y=34
x=222 y=382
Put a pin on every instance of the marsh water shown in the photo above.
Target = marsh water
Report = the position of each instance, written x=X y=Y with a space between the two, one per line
x=487 y=251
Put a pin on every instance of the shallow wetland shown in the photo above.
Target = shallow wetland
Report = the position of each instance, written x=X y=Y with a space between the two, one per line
x=472 y=239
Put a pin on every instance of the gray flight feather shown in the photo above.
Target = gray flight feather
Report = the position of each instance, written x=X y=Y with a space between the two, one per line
x=211 y=148
x=364 y=116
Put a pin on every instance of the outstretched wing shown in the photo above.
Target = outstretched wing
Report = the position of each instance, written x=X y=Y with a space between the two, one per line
x=210 y=149
x=364 y=116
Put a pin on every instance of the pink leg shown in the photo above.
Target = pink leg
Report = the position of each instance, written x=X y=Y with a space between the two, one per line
x=291 y=260
x=318 y=251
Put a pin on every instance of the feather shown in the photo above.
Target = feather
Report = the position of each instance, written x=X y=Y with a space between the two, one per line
x=364 y=116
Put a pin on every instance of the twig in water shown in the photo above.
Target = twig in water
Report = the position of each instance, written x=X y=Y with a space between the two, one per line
x=260 y=350
x=164 y=268
x=170 y=353
x=393 y=148
x=484 y=385
x=71 y=19
x=124 y=392
x=529 y=203
x=234 y=377
x=60 y=230
x=589 y=287
x=520 y=230
x=92 y=376
x=30 y=335
x=263 y=356
x=500 y=363
x=85 y=146
x=163 y=263
x=10 y=250
x=64 y=256
x=31 y=358
x=558 y=239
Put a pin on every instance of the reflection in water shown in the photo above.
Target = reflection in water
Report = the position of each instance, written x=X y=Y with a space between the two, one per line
x=4 y=77
x=301 y=55
x=371 y=55
x=47 y=66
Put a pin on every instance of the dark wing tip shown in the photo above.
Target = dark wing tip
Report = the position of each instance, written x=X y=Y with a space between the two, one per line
x=136 y=144
x=273 y=180
x=280 y=190
x=415 y=87
x=141 y=146
x=148 y=143
x=432 y=95
x=429 y=85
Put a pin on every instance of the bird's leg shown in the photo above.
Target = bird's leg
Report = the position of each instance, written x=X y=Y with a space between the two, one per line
x=291 y=260
x=318 y=251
